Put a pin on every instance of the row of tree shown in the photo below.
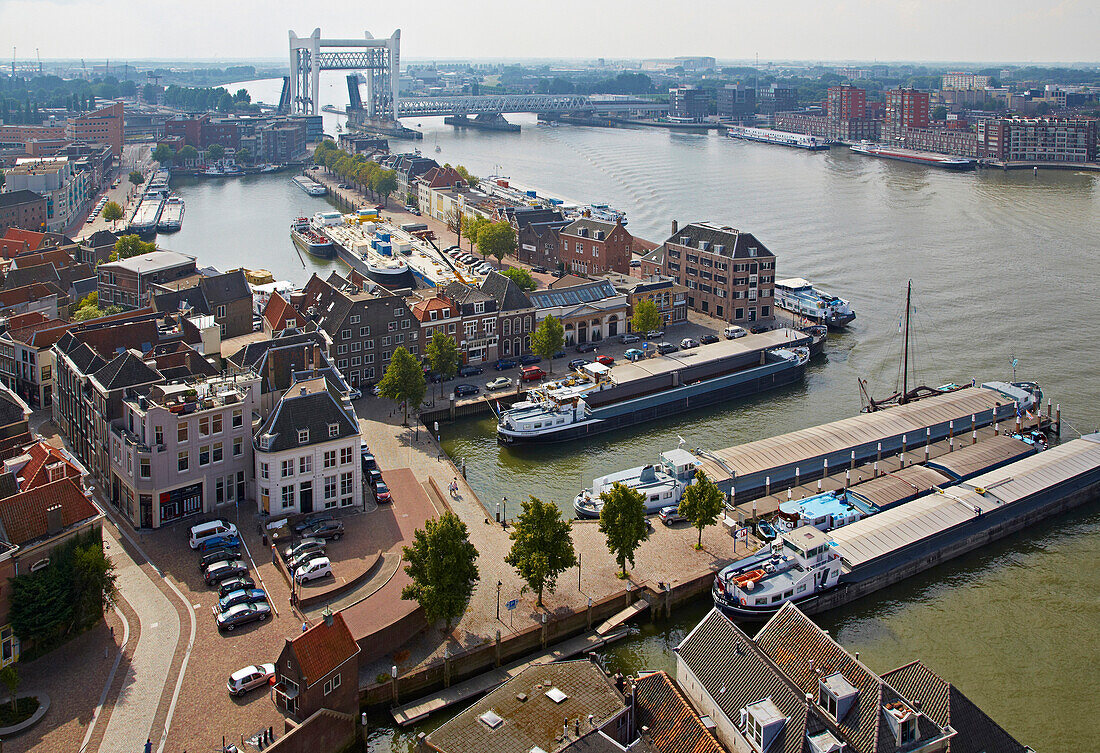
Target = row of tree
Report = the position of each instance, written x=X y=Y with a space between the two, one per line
x=367 y=175
x=496 y=239
x=203 y=99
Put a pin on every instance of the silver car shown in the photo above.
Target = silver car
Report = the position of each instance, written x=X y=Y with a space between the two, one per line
x=250 y=678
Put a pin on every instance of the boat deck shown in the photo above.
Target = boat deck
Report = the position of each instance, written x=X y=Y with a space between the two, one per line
x=627 y=371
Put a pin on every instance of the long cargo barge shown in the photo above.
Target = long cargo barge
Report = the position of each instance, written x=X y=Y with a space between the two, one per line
x=779 y=138
x=931 y=159
x=826 y=571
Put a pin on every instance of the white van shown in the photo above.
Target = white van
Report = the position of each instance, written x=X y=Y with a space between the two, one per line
x=204 y=531
x=733 y=332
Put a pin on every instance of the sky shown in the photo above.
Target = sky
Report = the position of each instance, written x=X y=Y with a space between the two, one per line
x=1020 y=31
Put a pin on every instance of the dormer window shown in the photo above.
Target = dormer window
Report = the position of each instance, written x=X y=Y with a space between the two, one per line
x=903 y=722
x=836 y=695
x=762 y=722
x=303 y=436
x=334 y=430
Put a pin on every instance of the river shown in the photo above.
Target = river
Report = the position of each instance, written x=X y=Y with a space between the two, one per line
x=1003 y=265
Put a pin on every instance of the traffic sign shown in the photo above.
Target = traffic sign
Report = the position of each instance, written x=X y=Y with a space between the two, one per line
x=512 y=604
x=741 y=533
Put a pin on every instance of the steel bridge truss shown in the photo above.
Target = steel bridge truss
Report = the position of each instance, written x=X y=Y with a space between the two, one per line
x=380 y=59
x=536 y=103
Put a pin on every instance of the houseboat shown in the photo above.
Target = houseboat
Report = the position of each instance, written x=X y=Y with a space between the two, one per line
x=662 y=484
x=801 y=297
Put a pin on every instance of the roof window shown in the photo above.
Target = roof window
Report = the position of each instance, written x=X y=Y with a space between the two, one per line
x=491 y=719
x=556 y=695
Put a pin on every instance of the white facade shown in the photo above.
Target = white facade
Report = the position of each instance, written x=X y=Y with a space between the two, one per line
x=316 y=475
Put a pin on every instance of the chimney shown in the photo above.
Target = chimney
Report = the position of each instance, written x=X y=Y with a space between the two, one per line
x=675 y=227
x=327 y=615
x=316 y=357
x=53 y=520
x=270 y=371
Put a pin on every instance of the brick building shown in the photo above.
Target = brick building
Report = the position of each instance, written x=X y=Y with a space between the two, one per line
x=589 y=310
x=905 y=108
x=729 y=274
x=25 y=209
x=226 y=297
x=103 y=126
x=590 y=246
x=539 y=243
x=317 y=669
x=688 y=104
x=737 y=102
x=129 y=283
x=1071 y=140
x=845 y=102
x=64 y=188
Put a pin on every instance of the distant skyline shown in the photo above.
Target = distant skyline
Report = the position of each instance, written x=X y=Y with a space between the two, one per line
x=932 y=31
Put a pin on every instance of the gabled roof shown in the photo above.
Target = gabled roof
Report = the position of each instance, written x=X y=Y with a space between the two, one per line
x=15 y=198
x=83 y=356
x=734 y=242
x=43 y=457
x=24 y=516
x=591 y=225
x=461 y=293
x=12 y=408
x=442 y=177
x=226 y=287
x=323 y=648
x=59 y=257
x=946 y=704
x=312 y=407
x=509 y=296
x=567 y=281
x=101 y=238
x=17 y=241
x=36 y=291
x=127 y=369
x=674 y=727
x=279 y=311
x=253 y=353
x=422 y=308
x=18 y=277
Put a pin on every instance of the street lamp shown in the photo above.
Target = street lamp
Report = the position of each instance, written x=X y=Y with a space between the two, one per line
x=499 y=584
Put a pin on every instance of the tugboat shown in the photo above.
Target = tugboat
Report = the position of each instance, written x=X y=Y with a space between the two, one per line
x=309 y=240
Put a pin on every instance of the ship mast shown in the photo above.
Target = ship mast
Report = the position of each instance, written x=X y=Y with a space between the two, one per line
x=904 y=398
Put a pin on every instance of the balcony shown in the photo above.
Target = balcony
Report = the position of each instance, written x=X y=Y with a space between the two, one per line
x=131 y=439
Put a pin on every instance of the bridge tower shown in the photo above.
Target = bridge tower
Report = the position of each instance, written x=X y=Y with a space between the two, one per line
x=378 y=59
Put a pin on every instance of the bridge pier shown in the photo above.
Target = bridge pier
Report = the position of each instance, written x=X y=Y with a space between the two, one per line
x=484 y=122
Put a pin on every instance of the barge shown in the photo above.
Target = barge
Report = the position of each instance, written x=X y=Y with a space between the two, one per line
x=801 y=297
x=930 y=159
x=310 y=186
x=780 y=138
x=662 y=484
x=144 y=220
x=819 y=572
x=603 y=399
x=171 y=216
x=309 y=240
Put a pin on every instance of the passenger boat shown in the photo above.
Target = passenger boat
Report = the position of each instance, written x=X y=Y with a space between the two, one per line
x=781 y=138
x=309 y=240
x=801 y=297
x=931 y=159
x=662 y=484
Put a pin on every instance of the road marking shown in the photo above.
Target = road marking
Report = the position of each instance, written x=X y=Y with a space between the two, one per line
x=197 y=606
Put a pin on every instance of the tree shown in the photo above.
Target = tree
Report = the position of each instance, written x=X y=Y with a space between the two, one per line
x=403 y=380
x=548 y=338
x=623 y=523
x=149 y=93
x=542 y=546
x=384 y=182
x=85 y=313
x=443 y=357
x=129 y=246
x=94 y=583
x=243 y=156
x=187 y=154
x=701 y=504
x=443 y=566
x=92 y=299
x=471 y=180
x=136 y=177
x=455 y=222
x=112 y=212
x=9 y=675
x=215 y=152
x=646 y=318
x=163 y=154
x=521 y=277
x=471 y=227
x=939 y=112
x=496 y=239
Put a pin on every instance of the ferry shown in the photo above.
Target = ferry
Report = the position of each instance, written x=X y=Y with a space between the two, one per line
x=931 y=159
x=782 y=138
x=591 y=401
x=171 y=216
x=309 y=240
x=310 y=186
x=801 y=297
x=662 y=484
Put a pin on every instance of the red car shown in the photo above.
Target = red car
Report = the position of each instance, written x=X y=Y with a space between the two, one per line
x=532 y=374
x=606 y=360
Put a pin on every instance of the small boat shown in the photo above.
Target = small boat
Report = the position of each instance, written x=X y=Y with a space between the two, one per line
x=212 y=171
x=269 y=168
x=766 y=530
x=309 y=240
x=662 y=485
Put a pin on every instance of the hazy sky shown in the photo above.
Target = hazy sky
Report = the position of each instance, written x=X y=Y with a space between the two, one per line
x=978 y=30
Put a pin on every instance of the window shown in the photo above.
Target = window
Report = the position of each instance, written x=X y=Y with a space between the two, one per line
x=391 y=326
x=330 y=459
x=341 y=349
x=356 y=360
x=217 y=423
x=470 y=330
x=305 y=464
x=204 y=455
x=345 y=334
x=158 y=435
x=219 y=312
x=909 y=730
x=181 y=432
x=218 y=451
x=182 y=461
x=355 y=319
x=387 y=341
x=288 y=496
x=303 y=436
x=368 y=345
x=238 y=418
x=144 y=468
x=204 y=426
x=345 y=455
x=288 y=468
x=332 y=684
x=346 y=482
x=264 y=472
x=330 y=487
x=364 y=331
x=334 y=430
x=358 y=346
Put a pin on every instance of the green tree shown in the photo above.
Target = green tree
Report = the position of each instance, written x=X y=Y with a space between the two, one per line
x=94 y=583
x=85 y=313
x=623 y=523
x=92 y=299
x=496 y=239
x=383 y=183
x=149 y=93
x=471 y=227
x=701 y=504
x=112 y=212
x=471 y=180
x=521 y=277
x=939 y=112
x=215 y=152
x=131 y=245
x=324 y=147
x=443 y=357
x=443 y=566
x=548 y=338
x=136 y=177
x=9 y=675
x=646 y=318
x=403 y=381
x=542 y=546
x=187 y=154
x=243 y=156
x=163 y=154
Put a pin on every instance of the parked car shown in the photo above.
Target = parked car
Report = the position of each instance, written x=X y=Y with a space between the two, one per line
x=238 y=583
x=558 y=273
x=369 y=463
x=373 y=477
x=529 y=360
x=540 y=269
x=504 y=364
x=242 y=614
x=605 y=360
x=585 y=347
x=671 y=515
x=250 y=678
x=635 y=263
x=382 y=493
x=462 y=390
x=577 y=363
x=303 y=545
x=376 y=390
x=665 y=347
x=756 y=330
x=708 y=339
x=688 y=343
x=220 y=571
x=499 y=383
x=469 y=371
x=302 y=558
x=654 y=334
x=208 y=530
x=633 y=354
x=219 y=541
x=244 y=596
x=311 y=520
x=220 y=554
x=312 y=570
x=559 y=354
x=532 y=374
x=328 y=529
x=629 y=338
x=354 y=393
x=733 y=332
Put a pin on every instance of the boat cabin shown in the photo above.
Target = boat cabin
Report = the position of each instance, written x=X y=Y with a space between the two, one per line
x=801 y=564
x=824 y=511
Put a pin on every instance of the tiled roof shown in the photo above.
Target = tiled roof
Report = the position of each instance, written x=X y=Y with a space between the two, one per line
x=226 y=288
x=101 y=238
x=24 y=515
x=15 y=198
x=12 y=408
x=591 y=225
x=323 y=648
x=673 y=726
x=16 y=241
x=35 y=472
x=946 y=704
x=127 y=369
x=36 y=291
x=21 y=276
x=509 y=296
x=253 y=353
x=19 y=321
x=278 y=311
x=59 y=257
x=567 y=281
x=460 y=293
x=315 y=411
x=735 y=242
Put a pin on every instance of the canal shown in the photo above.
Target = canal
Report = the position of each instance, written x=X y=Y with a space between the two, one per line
x=1004 y=266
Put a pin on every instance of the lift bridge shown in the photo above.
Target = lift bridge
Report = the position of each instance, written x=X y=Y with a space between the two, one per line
x=377 y=63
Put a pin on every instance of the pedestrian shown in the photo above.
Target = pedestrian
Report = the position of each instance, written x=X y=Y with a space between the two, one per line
x=305 y=626
x=148 y=745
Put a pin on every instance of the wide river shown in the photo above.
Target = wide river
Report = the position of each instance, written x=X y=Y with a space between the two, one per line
x=1004 y=265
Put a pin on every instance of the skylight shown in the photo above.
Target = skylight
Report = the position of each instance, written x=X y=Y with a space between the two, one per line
x=491 y=720
x=556 y=695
